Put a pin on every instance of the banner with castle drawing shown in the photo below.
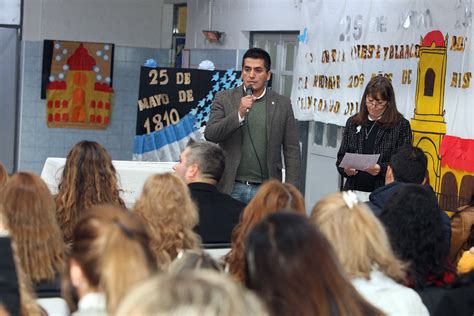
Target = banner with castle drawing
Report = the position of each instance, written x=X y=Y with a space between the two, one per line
x=424 y=47
x=78 y=81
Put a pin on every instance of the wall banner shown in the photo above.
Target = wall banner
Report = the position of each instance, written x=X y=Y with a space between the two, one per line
x=424 y=47
x=173 y=106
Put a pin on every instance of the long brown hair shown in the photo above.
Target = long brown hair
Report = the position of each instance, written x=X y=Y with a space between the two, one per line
x=294 y=270
x=29 y=211
x=89 y=178
x=271 y=196
x=111 y=246
x=379 y=87
x=166 y=207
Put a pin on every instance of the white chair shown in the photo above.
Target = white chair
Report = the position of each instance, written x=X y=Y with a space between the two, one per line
x=217 y=253
x=54 y=306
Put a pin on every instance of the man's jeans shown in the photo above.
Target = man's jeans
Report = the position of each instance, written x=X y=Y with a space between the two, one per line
x=244 y=192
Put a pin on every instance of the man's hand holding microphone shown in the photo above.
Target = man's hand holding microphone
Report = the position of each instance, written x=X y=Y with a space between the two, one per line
x=246 y=102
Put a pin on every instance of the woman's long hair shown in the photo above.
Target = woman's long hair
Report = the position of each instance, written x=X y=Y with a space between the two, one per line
x=89 y=178
x=30 y=214
x=271 y=196
x=379 y=86
x=294 y=270
x=357 y=236
x=413 y=221
x=111 y=246
x=166 y=207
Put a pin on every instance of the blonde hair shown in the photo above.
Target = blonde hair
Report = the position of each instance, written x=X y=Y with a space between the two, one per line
x=202 y=292
x=166 y=207
x=30 y=215
x=357 y=236
x=271 y=197
x=112 y=248
x=89 y=178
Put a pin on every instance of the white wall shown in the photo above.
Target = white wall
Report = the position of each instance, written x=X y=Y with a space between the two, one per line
x=237 y=18
x=136 y=23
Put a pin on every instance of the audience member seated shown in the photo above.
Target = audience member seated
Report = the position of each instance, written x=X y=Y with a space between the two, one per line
x=407 y=165
x=192 y=294
x=462 y=234
x=170 y=215
x=30 y=214
x=363 y=248
x=458 y=298
x=191 y=260
x=270 y=197
x=294 y=270
x=88 y=179
x=413 y=222
x=201 y=166
x=3 y=175
x=110 y=255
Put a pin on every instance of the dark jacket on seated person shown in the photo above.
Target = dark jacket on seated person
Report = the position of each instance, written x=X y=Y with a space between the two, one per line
x=218 y=213
x=48 y=289
x=9 y=288
x=380 y=196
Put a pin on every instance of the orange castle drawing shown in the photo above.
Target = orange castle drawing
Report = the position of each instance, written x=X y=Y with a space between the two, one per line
x=79 y=101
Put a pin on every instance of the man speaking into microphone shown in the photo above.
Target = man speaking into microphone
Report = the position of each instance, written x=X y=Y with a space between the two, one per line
x=254 y=126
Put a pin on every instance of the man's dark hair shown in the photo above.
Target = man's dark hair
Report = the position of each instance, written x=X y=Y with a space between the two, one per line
x=208 y=156
x=258 y=53
x=409 y=165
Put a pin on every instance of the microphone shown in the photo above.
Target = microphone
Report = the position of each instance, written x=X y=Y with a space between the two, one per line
x=248 y=91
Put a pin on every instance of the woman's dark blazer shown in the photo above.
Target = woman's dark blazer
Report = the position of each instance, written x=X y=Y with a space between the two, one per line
x=387 y=142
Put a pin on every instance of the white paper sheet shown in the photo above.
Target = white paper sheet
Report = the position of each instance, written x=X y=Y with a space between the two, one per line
x=359 y=161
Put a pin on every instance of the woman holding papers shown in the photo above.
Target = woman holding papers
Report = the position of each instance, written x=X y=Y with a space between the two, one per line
x=378 y=128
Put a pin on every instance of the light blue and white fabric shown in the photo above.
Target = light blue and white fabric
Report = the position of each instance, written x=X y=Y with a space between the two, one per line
x=167 y=143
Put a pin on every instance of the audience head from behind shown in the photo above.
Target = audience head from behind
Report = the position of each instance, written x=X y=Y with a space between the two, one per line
x=89 y=178
x=29 y=212
x=363 y=248
x=271 y=197
x=357 y=236
x=191 y=293
x=293 y=269
x=414 y=224
x=3 y=175
x=166 y=207
x=407 y=165
x=110 y=254
x=201 y=162
x=192 y=260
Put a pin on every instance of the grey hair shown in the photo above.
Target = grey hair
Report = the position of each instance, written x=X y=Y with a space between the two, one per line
x=209 y=157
